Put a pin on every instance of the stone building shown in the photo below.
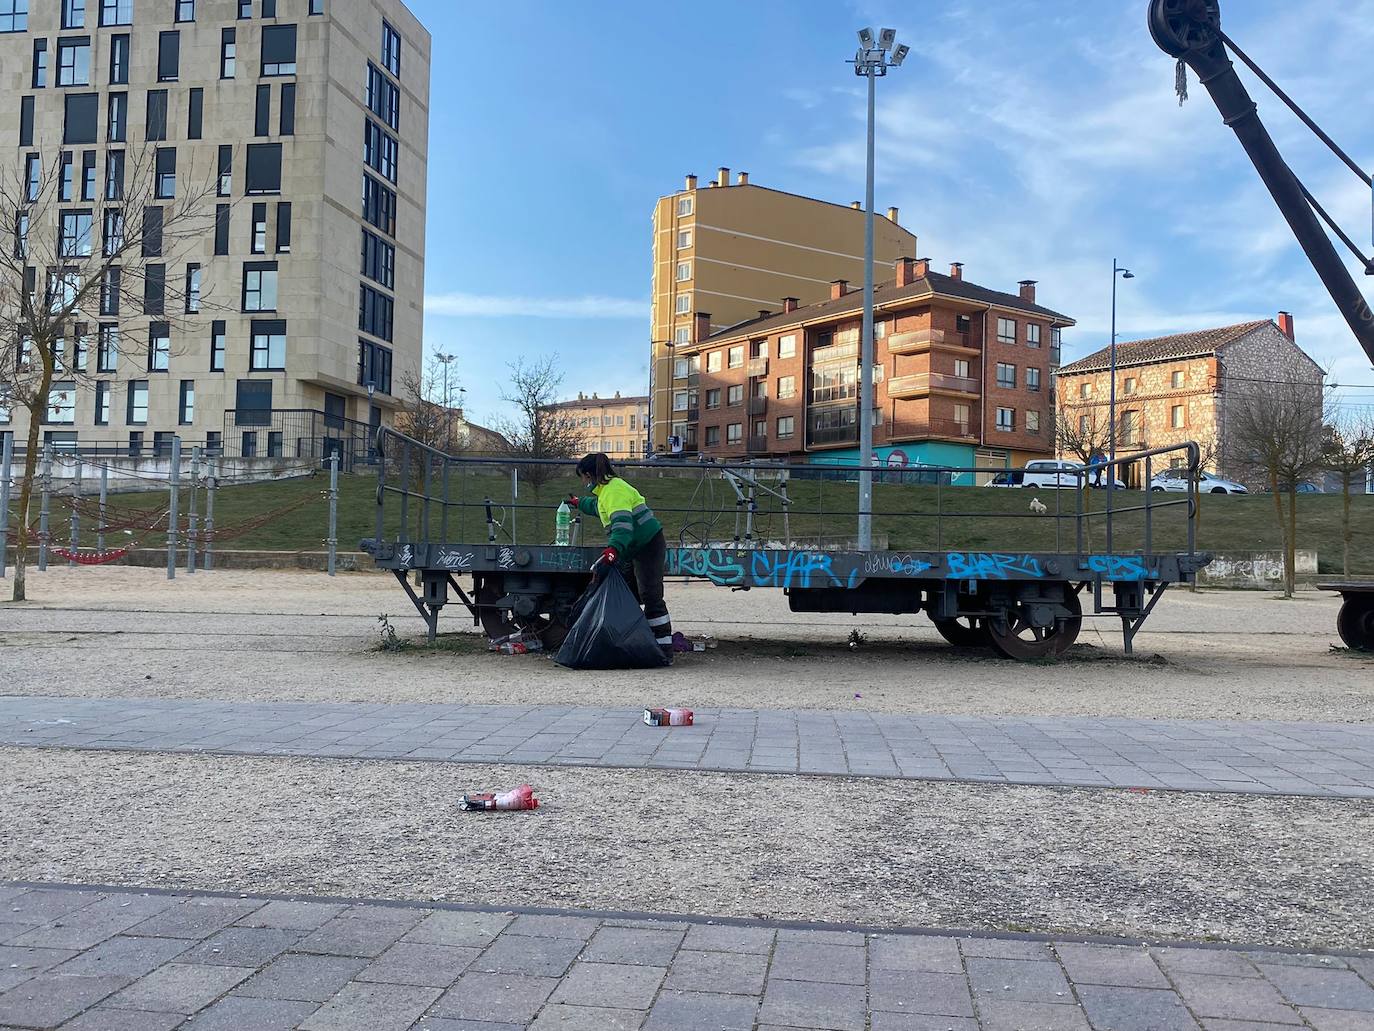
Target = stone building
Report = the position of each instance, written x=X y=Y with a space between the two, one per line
x=617 y=425
x=1178 y=388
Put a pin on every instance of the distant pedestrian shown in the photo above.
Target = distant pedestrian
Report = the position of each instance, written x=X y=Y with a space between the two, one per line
x=1097 y=460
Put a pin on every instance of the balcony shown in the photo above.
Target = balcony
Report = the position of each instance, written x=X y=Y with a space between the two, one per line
x=904 y=388
x=758 y=445
x=915 y=341
x=758 y=367
x=686 y=414
x=832 y=435
x=758 y=406
x=925 y=429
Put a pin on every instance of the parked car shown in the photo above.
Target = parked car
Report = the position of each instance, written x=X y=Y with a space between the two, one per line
x=1010 y=478
x=1058 y=472
x=1304 y=487
x=1176 y=480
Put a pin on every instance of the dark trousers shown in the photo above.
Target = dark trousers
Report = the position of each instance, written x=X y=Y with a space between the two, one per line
x=647 y=564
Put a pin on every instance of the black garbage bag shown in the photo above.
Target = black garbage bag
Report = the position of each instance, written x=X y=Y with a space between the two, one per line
x=610 y=631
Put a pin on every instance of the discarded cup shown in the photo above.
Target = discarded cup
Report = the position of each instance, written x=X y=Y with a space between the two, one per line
x=517 y=798
x=668 y=717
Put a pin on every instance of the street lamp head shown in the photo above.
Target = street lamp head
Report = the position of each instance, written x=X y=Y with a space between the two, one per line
x=866 y=39
x=899 y=55
x=887 y=39
x=1127 y=274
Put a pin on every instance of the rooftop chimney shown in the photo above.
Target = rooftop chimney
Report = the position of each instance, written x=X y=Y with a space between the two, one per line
x=855 y=205
x=764 y=313
x=722 y=176
x=892 y=215
x=617 y=393
x=701 y=327
x=741 y=178
x=790 y=304
x=581 y=396
x=956 y=270
x=906 y=271
x=1286 y=324
x=838 y=288
x=1027 y=290
x=922 y=268
x=691 y=181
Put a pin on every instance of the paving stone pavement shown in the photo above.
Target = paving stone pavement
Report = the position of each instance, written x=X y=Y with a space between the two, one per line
x=1254 y=757
x=88 y=959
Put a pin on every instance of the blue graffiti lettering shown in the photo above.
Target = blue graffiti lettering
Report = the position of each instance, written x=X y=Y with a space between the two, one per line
x=791 y=569
x=708 y=563
x=1121 y=567
x=982 y=566
x=568 y=560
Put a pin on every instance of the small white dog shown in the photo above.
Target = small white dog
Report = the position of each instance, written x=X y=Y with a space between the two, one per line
x=1037 y=506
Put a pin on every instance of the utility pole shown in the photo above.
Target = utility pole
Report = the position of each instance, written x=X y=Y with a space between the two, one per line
x=446 y=360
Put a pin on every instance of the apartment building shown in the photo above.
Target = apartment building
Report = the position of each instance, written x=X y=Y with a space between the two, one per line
x=961 y=373
x=617 y=425
x=304 y=296
x=1179 y=388
x=735 y=248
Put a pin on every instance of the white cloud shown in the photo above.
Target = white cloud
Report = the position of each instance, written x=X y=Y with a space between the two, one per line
x=589 y=306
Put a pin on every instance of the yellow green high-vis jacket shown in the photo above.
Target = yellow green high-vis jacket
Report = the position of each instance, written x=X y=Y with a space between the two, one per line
x=630 y=522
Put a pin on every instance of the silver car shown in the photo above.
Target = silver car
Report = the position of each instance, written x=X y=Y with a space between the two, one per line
x=1207 y=483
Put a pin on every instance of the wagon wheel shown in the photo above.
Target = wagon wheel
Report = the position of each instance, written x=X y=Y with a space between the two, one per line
x=503 y=622
x=1355 y=623
x=1013 y=636
x=964 y=631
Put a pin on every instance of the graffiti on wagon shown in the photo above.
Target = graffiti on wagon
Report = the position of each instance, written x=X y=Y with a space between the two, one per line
x=1121 y=567
x=979 y=565
x=761 y=568
x=895 y=565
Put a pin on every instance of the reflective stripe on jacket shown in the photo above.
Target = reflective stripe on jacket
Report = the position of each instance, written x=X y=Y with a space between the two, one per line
x=629 y=521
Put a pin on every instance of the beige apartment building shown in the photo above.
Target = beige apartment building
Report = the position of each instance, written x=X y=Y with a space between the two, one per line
x=736 y=250
x=617 y=425
x=299 y=312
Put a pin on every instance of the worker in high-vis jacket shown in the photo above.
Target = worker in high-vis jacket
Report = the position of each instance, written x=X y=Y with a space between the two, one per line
x=636 y=539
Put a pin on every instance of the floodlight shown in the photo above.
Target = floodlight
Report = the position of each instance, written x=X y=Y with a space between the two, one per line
x=887 y=38
x=899 y=55
x=866 y=39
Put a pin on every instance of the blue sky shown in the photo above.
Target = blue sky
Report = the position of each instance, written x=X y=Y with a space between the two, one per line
x=1028 y=140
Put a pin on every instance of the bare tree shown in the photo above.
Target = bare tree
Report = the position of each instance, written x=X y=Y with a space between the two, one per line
x=1348 y=452
x=80 y=249
x=431 y=407
x=1081 y=431
x=1276 y=437
x=538 y=431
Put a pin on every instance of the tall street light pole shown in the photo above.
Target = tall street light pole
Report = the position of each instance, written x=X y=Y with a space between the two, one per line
x=446 y=360
x=1123 y=273
x=873 y=59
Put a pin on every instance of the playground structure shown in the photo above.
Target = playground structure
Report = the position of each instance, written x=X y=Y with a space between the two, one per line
x=789 y=527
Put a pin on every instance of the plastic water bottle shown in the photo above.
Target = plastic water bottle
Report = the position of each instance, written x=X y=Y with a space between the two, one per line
x=563 y=526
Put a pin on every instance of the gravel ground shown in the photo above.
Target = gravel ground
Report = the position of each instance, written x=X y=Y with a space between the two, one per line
x=118 y=631
x=1259 y=870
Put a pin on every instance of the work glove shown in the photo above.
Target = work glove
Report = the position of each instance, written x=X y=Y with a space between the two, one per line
x=574 y=501
x=604 y=564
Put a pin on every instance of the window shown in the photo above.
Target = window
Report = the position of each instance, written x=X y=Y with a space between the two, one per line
x=258 y=243
x=684 y=271
x=262 y=111
x=713 y=361
x=21 y=237
x=1129 y=386
x=26 y=122
x=961 y=417
x=379 y=205
x=269 y=345
x=217 y=346
x=110 y=291
x=1085 y=390
x=186 y=406
x=119 y=60
x=63 y=287
x=380 y=149
x=736 y=357
x=107 y=348
x=284 y=228
x=73 y=14
x=74 y=61
x=195 y=111
x=317 y=6
x=259 y=286
x=264 y=168
x=684 y=304
x=117 y=121
x=680 y=400
x=14 y=15
x=680 y=368
x=245 y=8
x=40 y=59
x=684 y=206
x=114 y=175
x=1085 y=424
x=82 y=110
x=116 y=12
x=186 y=10
x=136 y=410
x=374 y=366
x=1006 y=375
x=168 y=56
x=379 y=261
x=33 y=176
x=165 y=171
x=787 y=387
x=787 y=427
x=152 y=232
x=66 y=177
x=228 y=53
x=278 y=50
x=760 y=428
x=1006 y=419
x=102 y=403
x=154 y=289
x=1006 y=331
x=374 y=312
x=1032 y=340
x=682 y=335
x=383 y=97
x=269 y=8
x=961 y=367
x=1130 y=427
x=1032 y=381
x=712 y=436
x=62 y=403
x=192 y=288
x=760 y=388
x=734 y=433
x=787 y=346
x=1176 y=419
x=391 y=49
x=286 y=123
x=159 y=347
x=88 y=175
x=684 y=238
x=1176 y=380
x=712 y=399
x=225 y=184
x=1032 y=422
x=74 y=234
x=734 y=395
x=155 y=120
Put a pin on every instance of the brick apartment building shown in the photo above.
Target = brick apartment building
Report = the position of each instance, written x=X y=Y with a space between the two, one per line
x=1178 y=388
x=617 y=425
x=962 y=376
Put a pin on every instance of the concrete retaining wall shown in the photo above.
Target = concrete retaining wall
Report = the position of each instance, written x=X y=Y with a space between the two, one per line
x=1257 y=570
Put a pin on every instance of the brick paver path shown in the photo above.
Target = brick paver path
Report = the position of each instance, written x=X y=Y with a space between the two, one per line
x=1260 y=757
x=83 y=959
